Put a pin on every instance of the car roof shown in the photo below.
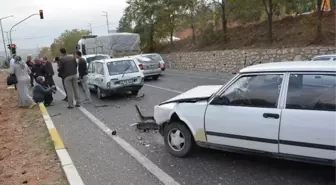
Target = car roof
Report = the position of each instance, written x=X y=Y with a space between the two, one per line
x=141 y=57
x=92 y=55
x=330 y=55
x=292 y=66
x=113 y=59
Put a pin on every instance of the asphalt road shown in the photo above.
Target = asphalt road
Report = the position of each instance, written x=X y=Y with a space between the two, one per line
x=101 y=161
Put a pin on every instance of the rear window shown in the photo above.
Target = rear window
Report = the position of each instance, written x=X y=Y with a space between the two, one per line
x=121 y=66
x=98 y=57
x=156 y=58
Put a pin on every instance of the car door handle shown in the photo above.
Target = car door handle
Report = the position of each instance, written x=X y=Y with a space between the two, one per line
x=271 y=115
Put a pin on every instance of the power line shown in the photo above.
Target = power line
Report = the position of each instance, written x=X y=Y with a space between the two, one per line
x=29 y=38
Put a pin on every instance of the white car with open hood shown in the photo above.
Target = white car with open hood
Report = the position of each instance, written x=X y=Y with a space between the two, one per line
x=284 y=110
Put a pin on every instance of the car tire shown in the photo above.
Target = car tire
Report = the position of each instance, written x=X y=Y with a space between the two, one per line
x=184 y=132
x=156 y=77
x=99 y=93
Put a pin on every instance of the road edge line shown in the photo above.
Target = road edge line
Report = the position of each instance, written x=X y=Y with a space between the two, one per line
x=68 y=167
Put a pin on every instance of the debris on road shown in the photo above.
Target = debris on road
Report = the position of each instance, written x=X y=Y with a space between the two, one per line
x=114 y=133
x=146 y=122
x=100 y=105
x=58 y=114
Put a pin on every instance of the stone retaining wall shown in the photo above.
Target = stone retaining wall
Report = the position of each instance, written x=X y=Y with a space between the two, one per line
x=233 y=60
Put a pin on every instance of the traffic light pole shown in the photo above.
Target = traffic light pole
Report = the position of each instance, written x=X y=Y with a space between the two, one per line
x=3 y=37
x=10 y=31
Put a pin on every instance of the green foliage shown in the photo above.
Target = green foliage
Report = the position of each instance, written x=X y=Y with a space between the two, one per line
x=68 y=40
x=157 y=19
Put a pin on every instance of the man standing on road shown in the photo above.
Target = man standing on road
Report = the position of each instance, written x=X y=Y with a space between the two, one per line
x=49 y=72
x=30 y=64
x=69 y=66
x=60 y=74
x=82 y=70
x=38 y=69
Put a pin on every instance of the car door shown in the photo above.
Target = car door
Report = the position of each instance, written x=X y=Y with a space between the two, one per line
x=308 y=122
x=249 y=119
x=99 y=74
x=90 y=75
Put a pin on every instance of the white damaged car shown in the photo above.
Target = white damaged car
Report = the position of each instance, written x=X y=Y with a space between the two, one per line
x=284 y=110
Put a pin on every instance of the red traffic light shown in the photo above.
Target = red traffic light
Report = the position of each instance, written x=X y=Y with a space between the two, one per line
x=41 y=14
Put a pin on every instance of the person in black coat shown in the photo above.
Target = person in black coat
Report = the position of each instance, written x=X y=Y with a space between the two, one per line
x=49 y=72
x=38 y=69
x=30 y=64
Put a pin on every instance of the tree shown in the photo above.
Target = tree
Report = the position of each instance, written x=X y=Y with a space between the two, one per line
x=68 y=40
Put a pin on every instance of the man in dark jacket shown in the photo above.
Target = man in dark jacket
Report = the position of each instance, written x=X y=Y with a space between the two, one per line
x=43 y=93
x=30 y=64
x=60 y=74
x=38 y=69
x=82 y=70
x=49 y=72
x=68 y=66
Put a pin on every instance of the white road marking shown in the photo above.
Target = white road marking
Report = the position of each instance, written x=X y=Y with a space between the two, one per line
x=194 y=76
x=162 y=88
x=149 y=165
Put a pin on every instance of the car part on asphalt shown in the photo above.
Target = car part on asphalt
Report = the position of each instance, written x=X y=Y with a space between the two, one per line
x=146 y=122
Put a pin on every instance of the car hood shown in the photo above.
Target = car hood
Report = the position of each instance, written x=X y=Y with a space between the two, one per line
x=195 y=94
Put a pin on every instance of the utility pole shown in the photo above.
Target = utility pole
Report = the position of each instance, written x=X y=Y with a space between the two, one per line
x=90 y=28
x=107 y=22
x=2 y=33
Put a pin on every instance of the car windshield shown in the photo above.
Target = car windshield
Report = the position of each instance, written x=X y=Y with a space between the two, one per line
x=121 y=67
x=156 y=58
x=97 y=57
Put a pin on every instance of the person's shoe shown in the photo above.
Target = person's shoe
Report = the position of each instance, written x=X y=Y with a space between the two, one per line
x=77 y=105
x=69 y=107
x=65 y=99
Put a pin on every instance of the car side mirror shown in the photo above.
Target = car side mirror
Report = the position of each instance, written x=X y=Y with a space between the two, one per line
x=220 y=100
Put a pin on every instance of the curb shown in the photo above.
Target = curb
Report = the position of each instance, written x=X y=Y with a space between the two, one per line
x=66 y=162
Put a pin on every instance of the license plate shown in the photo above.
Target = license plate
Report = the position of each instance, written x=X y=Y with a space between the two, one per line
x=125 y=82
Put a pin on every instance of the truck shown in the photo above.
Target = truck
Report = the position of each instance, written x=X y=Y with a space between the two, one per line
x=114 y=44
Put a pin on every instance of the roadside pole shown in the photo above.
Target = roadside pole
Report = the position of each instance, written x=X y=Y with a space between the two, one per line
x=10 y=31
x=2 y=33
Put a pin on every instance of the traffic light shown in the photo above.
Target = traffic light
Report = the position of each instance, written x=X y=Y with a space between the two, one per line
x=13 y=49
x=8 y=46
x=41 y=14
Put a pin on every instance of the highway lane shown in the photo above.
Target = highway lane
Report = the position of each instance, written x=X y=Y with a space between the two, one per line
x=204 y=166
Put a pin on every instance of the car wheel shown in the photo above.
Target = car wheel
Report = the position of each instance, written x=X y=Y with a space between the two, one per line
x=156 y=77
x=99 y=93
x=178 y=139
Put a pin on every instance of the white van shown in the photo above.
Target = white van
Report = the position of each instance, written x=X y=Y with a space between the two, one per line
x=118 y=75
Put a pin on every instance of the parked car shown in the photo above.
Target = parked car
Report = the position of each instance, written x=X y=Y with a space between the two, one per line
x=149 y=67
x=284 y=110
x=90 y=58
x=156 y=57
x=325 y=58
x=118 y=75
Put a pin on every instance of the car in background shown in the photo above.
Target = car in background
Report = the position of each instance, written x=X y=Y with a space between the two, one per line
x=156 y=57
x=90 y=58
x=331 y=57
x=284 y=110
x=149 y=67
x=118 y=75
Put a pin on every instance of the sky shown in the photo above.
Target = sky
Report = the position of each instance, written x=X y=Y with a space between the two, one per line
x=59 y=15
